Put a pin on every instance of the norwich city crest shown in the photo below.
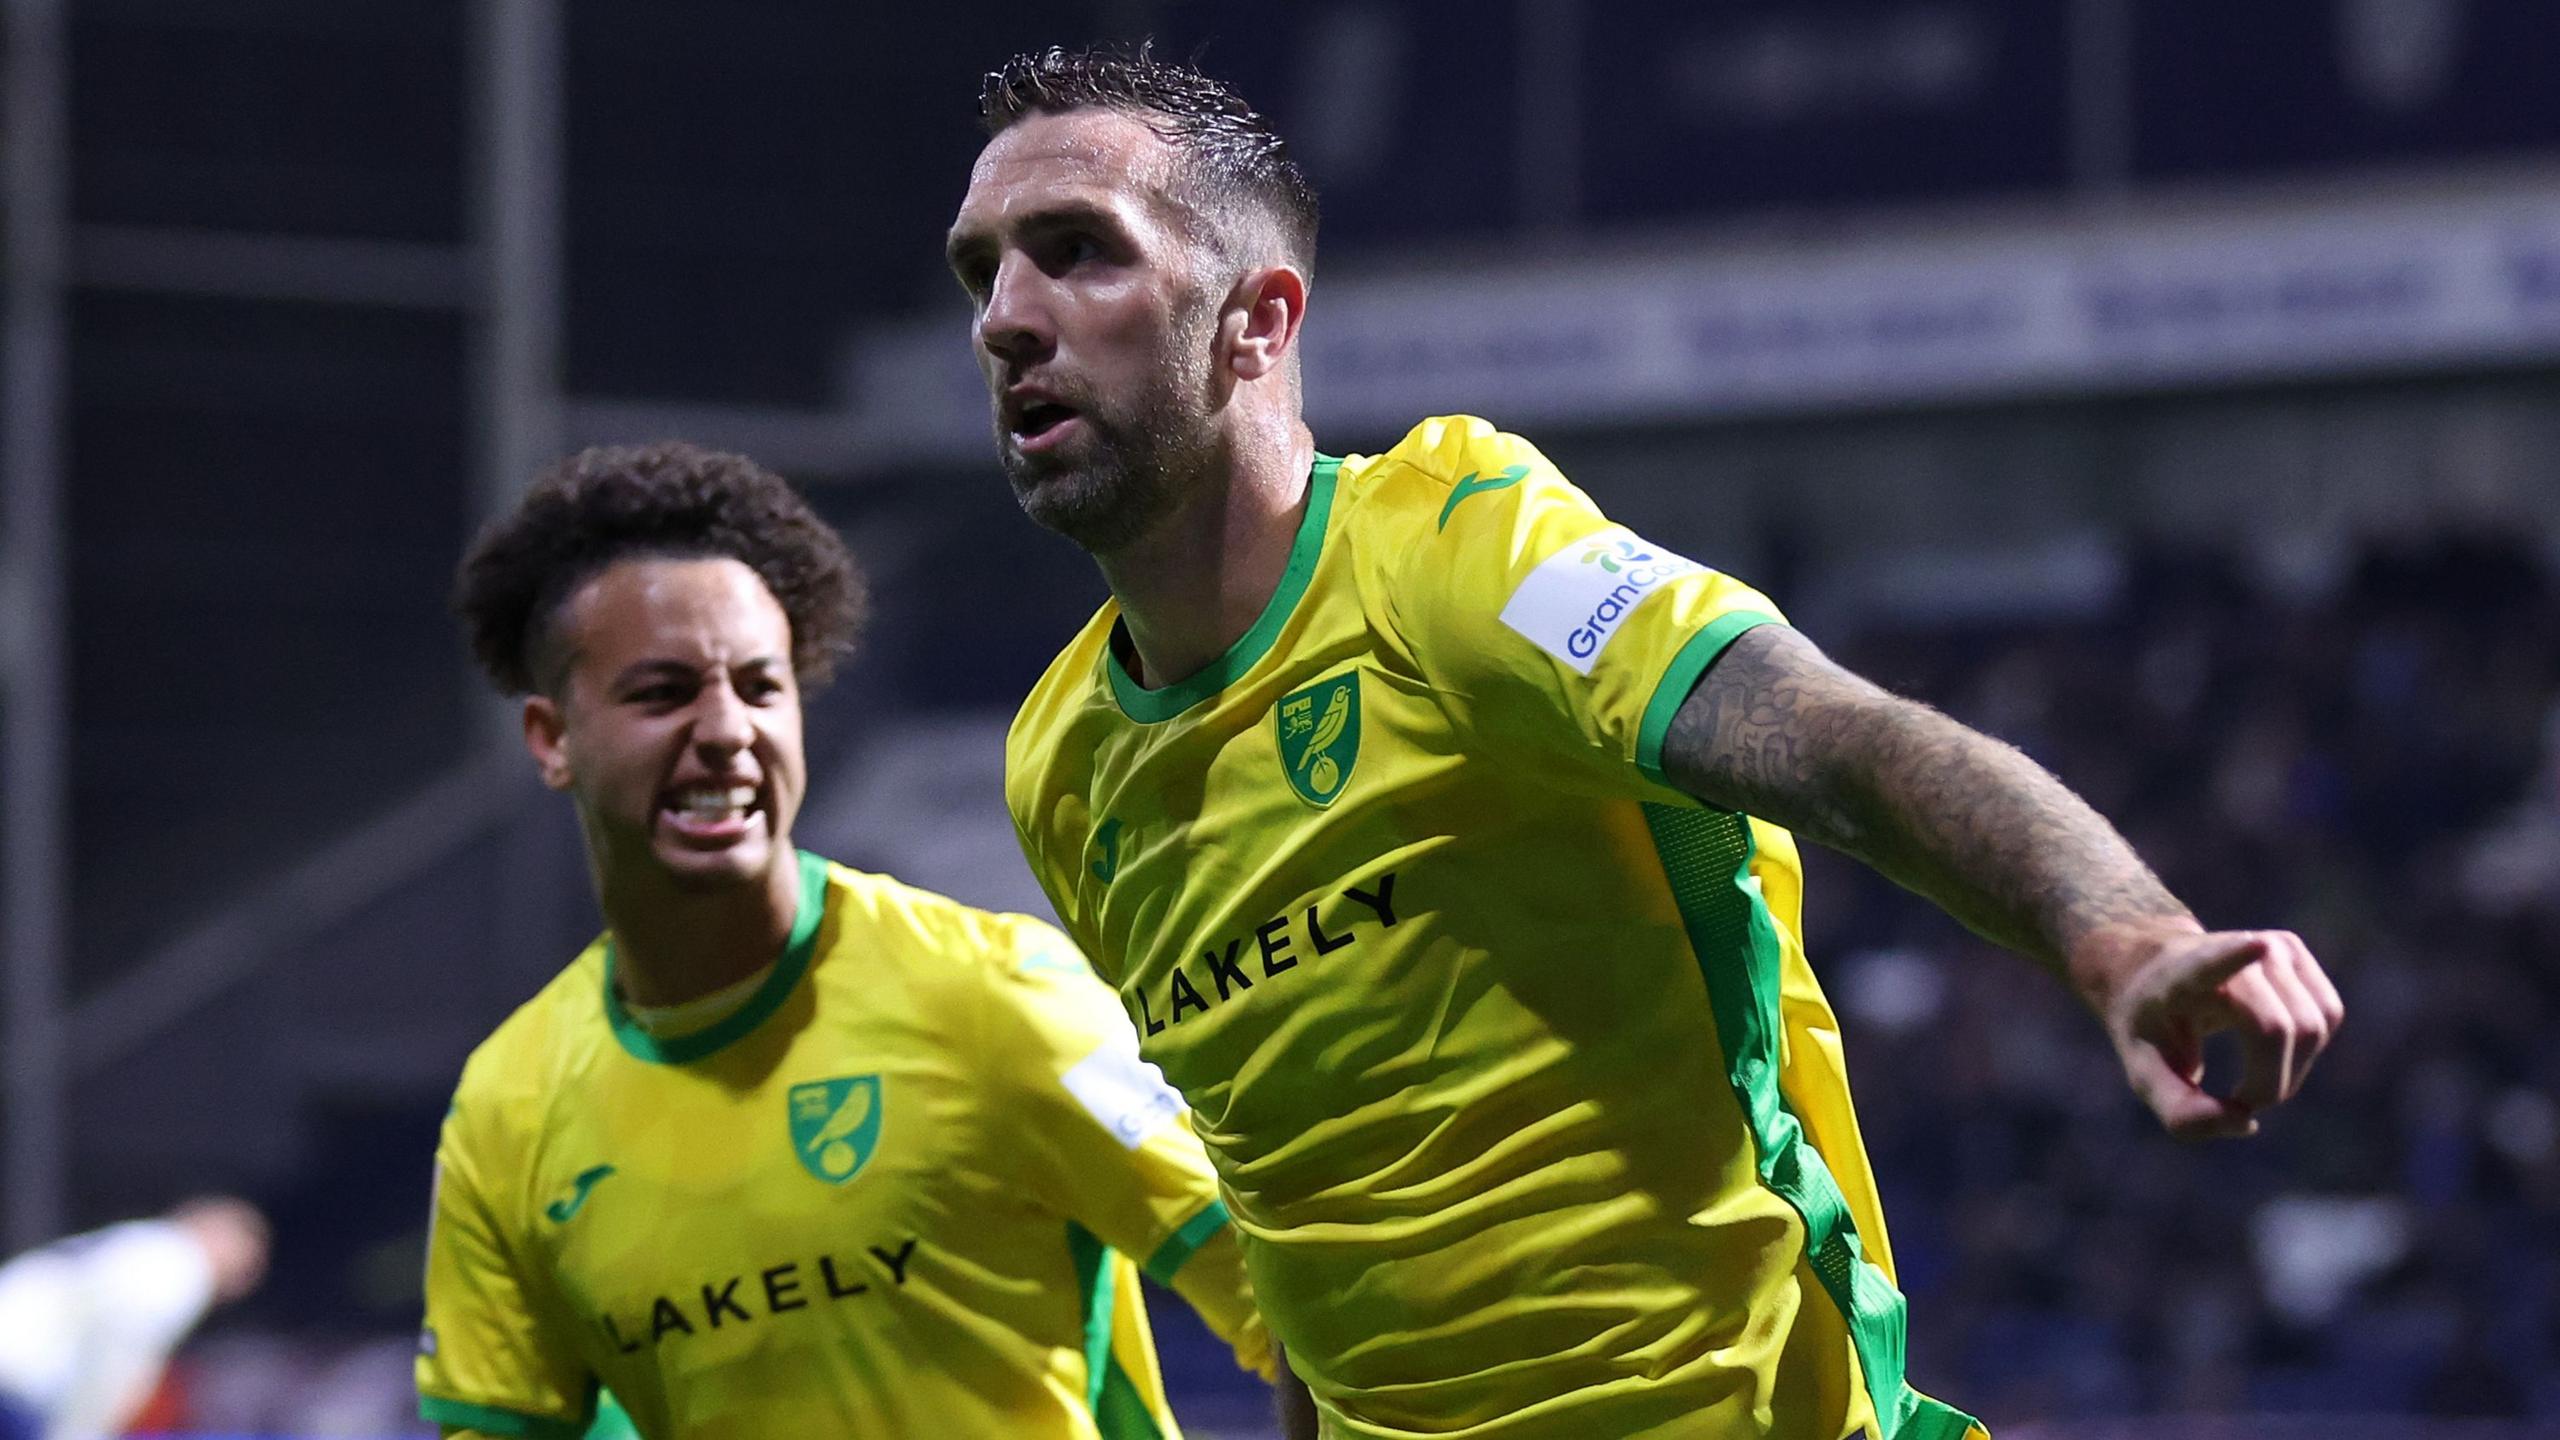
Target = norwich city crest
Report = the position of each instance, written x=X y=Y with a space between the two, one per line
x=1320 y=737
x=835 y=1125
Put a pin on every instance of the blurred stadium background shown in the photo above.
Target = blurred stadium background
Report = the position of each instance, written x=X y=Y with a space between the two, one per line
x=2169 y=386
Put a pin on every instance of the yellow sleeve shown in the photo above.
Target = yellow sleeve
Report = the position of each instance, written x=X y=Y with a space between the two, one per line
x=485 y=1362
x=1108 y=1144
x=1557 y=637
x=1212 y=1280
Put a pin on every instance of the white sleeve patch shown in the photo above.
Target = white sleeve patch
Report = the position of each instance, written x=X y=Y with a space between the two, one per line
x=1575 y=602
x=1128 y=1095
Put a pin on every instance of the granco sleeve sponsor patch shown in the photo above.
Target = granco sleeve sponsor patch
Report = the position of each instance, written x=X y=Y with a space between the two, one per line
x=1125 y=1093
x=1575 y=602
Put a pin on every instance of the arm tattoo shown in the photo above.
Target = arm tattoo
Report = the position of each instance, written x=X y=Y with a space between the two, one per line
x=1775 y=729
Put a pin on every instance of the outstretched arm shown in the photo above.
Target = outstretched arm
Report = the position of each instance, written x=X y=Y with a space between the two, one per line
x=1777 y=730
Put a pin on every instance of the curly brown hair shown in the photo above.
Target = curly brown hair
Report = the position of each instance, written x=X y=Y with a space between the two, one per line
x=672 y=500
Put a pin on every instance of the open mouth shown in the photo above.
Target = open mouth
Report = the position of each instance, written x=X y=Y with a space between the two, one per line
x=1039 y=418
x=712 y=810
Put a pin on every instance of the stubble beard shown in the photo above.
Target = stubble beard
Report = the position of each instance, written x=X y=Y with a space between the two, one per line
x=1133 y=470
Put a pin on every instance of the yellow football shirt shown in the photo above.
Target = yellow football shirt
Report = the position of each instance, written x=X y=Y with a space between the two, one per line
x=894 y=1194
x=1524 y=1097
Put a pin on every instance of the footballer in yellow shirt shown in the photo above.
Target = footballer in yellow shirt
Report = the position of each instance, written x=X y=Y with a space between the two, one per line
x=898 y=1190
x=1436 y=833
x=1505 y=1048
x=791 y=1149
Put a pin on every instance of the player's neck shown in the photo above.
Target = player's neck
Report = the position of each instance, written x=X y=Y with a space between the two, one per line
x=672 y=945
x=1192 y=587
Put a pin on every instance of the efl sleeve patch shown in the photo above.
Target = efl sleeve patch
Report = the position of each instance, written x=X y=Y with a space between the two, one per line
x=1576 y=600
x=1125 y=1093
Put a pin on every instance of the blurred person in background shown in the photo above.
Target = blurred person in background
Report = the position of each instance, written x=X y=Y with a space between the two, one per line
x=87 y=1323
x=790 y=1149
x=1440 y=837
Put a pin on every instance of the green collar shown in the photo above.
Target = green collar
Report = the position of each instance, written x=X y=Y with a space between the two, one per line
x=1149 y=706
x=685 y=1049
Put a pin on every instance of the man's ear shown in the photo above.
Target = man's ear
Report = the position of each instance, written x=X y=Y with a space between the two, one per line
x=545 y=732
x=1262 y=319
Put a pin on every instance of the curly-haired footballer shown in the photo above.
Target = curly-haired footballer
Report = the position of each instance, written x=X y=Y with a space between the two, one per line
x=790 y=1149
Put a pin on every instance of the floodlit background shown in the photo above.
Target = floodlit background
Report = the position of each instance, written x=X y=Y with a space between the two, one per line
x=2169 y=386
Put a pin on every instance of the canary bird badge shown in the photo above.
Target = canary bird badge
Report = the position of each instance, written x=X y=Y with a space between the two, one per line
x=1320 y=737
x=835 y=1125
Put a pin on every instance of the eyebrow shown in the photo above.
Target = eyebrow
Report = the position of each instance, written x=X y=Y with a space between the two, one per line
x=655 y=668
x=966 y=244
x=660 y=667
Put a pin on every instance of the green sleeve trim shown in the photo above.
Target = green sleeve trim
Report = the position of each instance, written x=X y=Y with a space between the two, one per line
x=1110 y=1396
x=1699 y=652
x=1706 y=858
x=777 y=987
x=490 y=1420
x=1122 y=1413
x=1148 y=707
x=1927 y=1419
x=612 y=1422
x=1178 y=1248
x=1094 y=1281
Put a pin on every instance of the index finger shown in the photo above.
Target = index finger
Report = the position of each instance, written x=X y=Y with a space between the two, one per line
x=2218 y=957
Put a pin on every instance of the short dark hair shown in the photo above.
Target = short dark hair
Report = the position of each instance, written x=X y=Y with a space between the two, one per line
x=669 y=500
x=1230 y=151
